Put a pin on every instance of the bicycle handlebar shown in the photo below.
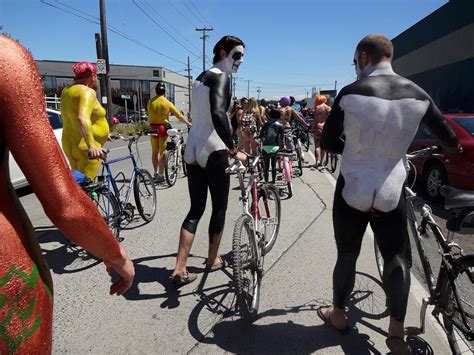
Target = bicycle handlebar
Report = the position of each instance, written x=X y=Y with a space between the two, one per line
x=429 y=151
x=236 y=166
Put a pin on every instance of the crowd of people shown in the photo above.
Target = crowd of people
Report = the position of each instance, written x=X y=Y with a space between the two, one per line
x=370 y=123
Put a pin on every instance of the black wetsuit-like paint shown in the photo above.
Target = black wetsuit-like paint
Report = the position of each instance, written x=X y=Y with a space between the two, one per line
x=206 y=153
x=379 y=116
x=271 y=134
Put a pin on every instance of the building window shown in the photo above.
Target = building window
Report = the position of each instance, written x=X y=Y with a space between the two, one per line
x=49 y=82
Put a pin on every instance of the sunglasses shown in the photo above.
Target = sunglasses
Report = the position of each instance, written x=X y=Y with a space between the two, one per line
x=354 y=61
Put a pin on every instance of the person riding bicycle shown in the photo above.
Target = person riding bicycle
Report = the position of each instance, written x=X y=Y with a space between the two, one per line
x=85 y=127
x=321 y=113
x=379 y=115
x=159 y=109
x=271 y=139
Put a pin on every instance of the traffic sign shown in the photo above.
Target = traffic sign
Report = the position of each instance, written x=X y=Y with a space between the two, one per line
x=125 y=96
x=101 y=68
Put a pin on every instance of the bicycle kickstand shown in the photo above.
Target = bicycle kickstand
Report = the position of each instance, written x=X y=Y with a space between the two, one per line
x=413 y=331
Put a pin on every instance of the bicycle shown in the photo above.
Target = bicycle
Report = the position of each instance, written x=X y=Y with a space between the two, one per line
x=287 y=170
x=304 y=135
x=141 y=181
x=293 y=144
x=452 y=293
x=254 y=235
x=174 y=156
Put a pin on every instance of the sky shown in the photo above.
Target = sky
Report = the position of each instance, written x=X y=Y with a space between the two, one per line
x=290 y=46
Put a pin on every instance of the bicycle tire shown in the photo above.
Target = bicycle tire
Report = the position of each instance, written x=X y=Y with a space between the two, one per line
x=299 y=155
x=378 y=259
x=244 y=258
x=145 y=194
x=289 y=187
x=183 y=163
x=271 y=194
x=108 y=207
x=171 y=168
x=462 y=277
x=306 y=142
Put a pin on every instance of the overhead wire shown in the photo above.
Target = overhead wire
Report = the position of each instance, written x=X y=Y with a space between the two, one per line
x=162 y=28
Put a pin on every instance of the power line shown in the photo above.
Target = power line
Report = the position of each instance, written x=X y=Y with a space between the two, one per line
x=180 y=13
x=169 y=25
x=199 y=13
x=162 y=28
x=95 y=20
x=192 y=13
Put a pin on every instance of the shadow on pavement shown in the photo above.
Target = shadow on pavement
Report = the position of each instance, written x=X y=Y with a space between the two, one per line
x=68 y=257
x=215 y=320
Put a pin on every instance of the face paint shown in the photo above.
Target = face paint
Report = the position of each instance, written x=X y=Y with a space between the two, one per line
x=231 y=63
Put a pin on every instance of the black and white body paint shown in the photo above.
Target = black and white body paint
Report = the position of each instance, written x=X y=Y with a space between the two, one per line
x=379 y=116
x=211 y=99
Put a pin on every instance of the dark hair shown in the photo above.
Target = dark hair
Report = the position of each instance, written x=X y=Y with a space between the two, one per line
x=292 y=100
x=160 y=88
x=226 y=43
x=274 y=113
x=376 y=46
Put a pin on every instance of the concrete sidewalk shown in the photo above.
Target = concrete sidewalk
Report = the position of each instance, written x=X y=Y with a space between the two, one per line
x=153 y=317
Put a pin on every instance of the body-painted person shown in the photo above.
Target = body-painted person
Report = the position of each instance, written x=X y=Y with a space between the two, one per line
x=85 y=127
x=26 y=289
x=321 y=114
x=159 y=109
x=379 y=115
x=207 y=149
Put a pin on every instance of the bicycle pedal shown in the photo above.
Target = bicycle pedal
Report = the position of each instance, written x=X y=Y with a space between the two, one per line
x=412 y=331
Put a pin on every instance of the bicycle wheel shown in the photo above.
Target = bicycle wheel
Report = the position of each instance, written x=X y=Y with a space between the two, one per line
x=288 y=176
x=269 y=208
x=145 y=194
x=171 y=170
x=378 y=259
x=305 y=140
x=246 y=276
x=183 y=163
x=108 y=207
x=299 y=155
x=457 y=295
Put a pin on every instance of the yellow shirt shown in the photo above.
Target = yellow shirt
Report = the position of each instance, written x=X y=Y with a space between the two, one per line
x=159 y=108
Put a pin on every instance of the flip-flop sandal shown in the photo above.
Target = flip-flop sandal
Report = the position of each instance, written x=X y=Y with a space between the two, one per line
x=179 y=280
x=215 y=267
x=398 y=346
x=327 y=321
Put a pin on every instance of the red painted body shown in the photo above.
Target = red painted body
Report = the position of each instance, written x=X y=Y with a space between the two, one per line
x=26 y=302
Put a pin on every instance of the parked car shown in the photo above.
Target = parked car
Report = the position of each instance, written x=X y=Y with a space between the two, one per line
x=453 y=169
x=16 y=175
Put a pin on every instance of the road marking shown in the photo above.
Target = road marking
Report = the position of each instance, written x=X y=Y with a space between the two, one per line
x=417 y=291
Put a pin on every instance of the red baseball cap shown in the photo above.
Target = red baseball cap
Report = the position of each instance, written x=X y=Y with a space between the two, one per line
x=83 y=69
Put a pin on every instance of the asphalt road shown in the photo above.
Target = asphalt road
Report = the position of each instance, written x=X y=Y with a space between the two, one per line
x=154 y=317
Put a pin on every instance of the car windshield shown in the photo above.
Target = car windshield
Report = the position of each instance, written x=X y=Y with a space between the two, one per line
x=467 y=123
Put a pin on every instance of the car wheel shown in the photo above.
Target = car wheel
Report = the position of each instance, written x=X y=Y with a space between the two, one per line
x=435 y=177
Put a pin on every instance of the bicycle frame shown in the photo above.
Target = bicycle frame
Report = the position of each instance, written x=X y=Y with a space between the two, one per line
x=446 y=245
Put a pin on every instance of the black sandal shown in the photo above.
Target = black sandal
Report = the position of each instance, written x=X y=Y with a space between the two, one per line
x=327 y=321
x=179 y=280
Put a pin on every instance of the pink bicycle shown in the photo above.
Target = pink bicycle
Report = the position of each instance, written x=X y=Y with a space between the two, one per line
x=287 y=168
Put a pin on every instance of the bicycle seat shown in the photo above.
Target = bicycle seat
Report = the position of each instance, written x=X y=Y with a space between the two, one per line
x=457 y=198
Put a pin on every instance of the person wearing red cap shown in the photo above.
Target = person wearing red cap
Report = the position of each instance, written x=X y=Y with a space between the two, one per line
x=85 y=127
x=321 y=113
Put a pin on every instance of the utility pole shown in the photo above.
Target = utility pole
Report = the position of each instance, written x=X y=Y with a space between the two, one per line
x=335 y=85
x=100 y=55
x=105 y=54
x=204 y=37
x=258 y=92
x=234 y=85
x=189 y=85
x=248 y=88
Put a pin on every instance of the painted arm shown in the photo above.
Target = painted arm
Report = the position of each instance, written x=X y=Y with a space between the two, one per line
x=39 y=156
x=219 y=99
x=333 y=128
x=299 y=117
x=435 y=122
x=178 y=115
